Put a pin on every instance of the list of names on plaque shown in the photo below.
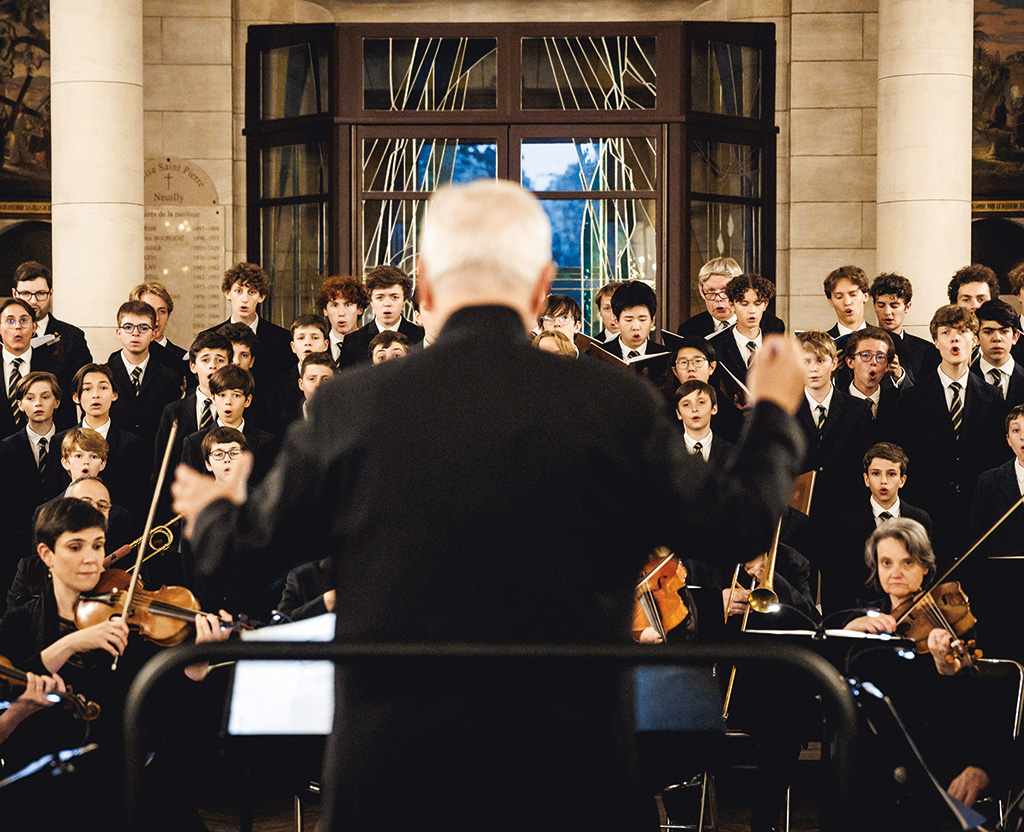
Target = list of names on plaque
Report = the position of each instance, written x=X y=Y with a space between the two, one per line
x=185 y=252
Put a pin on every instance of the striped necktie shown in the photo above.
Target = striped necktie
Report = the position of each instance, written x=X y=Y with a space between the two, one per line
x=42 y=457
x=137 y=379
x=956 y=409
x=752 y=347
x=884 y=515
x=697 y=448
x=822 y=413
x=207 y=416
x=632 y=354
x=12 y=385
x=997 y=379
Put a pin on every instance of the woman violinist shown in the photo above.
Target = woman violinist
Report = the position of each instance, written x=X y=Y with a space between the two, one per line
x=901 y=563
x=42 y=638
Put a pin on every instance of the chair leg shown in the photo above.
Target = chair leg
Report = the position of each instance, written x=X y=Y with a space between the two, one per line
x=298 y=813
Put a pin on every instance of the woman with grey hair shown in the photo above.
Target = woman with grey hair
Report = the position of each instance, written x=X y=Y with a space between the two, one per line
x=900 y=563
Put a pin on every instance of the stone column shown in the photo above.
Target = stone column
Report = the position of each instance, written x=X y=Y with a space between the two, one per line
x=96 y=94
x=925 y=55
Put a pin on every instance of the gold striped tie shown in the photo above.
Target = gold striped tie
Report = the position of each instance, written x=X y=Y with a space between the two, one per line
x=956 y=409
x=12 y=385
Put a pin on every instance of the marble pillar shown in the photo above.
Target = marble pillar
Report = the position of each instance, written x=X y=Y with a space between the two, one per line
x=96 y=94
x=925 y=51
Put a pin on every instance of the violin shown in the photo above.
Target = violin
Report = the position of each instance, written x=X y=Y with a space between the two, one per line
x=658 y=603
x=945 y=606
x=12 y=679
x=162 y=616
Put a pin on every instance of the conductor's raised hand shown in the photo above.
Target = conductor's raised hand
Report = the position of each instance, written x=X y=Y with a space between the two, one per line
x=777 y=373
x=192 y=491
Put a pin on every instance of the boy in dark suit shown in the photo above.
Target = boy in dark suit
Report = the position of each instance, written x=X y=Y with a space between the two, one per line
x=562 y=314
x=389 y=289
x=997 y=336
x=30 y=466
x=994 y=572
x=387 y=346
x=846 y=290
x=246 y=286
x=635 y=307
x=603 y=304
x=972 y=286
x=844 y=572
x=696 y=404
x=316 y=369
x=309 y=335
x=145 y=386
x=867 y=354
x=33 y=283
x=951 y=428
x=695 y=359
x=892 y=295
x=342 y=300
x=232 y=392
x=837 y=428
x=126 y=473
x=17 y=325
x=749 y=295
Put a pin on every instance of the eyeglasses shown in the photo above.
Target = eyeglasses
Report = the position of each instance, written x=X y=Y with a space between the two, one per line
x=18 y=323
x=131 y=329
x=561 y=320
x=220 y=455
x=696 y=363
x=873 y=357
x=40 y=296
x=719 y=295
x=102 y=505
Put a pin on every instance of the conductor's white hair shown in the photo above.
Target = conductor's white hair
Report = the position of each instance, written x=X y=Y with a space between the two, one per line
x=487 y=232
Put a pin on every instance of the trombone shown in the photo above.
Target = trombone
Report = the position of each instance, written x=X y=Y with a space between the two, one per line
x=160 y=540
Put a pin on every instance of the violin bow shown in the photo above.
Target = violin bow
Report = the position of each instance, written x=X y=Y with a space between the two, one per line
x=149 y=524
x=962 y=558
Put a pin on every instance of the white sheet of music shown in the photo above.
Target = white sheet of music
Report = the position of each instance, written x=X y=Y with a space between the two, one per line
x=275 y=698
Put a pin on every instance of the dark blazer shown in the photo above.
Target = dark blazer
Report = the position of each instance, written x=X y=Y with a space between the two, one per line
x=126 y=473
x=728 y=354
x=703 y=324
x=843 y=571
x=721 y=450
x=273 y=350
x=304 y=589
x=991 y=581
x=837 y=454
x=497 y=734
x=262 y=445
x=174 y=362
x=25 y=490
x=71 y=350
x=357 y=344
x=943 y=470
x=1014 y=390
x=44 y=359
x=656 y=373
x=140 y=414
x=284 y=396
x=918 y=356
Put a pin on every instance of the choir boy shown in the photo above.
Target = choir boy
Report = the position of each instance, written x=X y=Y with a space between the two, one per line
x=749 y=295
x=603 y=303
x=166 y=352
x=844 y=572
x=389 y=289
x=892 y=295
x=972 y=285
x=316 y=369
x=387 y=346
x=17 y=325
x=146 y=386
x=562 y=314
x=695 y=359
x=309 y=335
x=997 y=336
x=342 y=300
x=867 y=354
x=232 y=393
x=246 y=286
x=696 y=404
x=127 y=468
x=951 y=426
x=846 y=289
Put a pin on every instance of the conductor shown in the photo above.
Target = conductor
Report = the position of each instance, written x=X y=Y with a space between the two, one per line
x=482 y=490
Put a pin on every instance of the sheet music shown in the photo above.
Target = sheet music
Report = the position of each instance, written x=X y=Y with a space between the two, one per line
x=278 y=698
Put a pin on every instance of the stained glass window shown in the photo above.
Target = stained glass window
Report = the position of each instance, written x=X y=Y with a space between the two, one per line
x=593 y=73
x=726 y=79
x=294 y=81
